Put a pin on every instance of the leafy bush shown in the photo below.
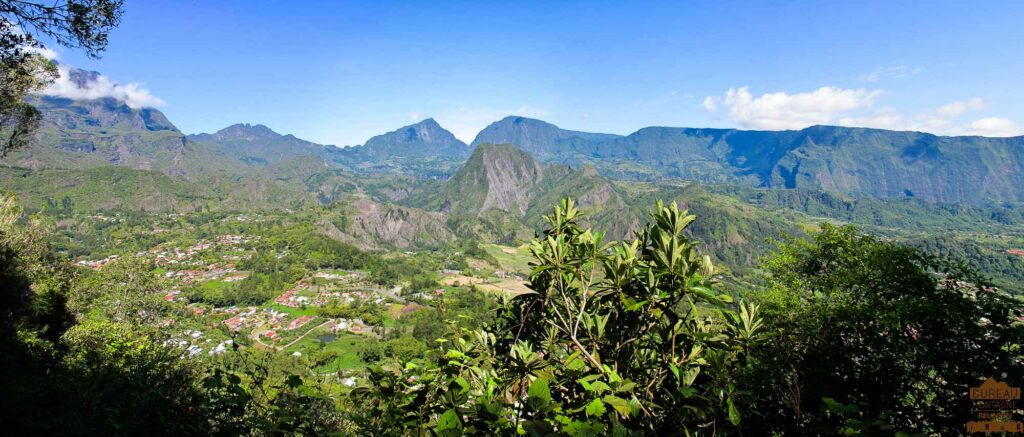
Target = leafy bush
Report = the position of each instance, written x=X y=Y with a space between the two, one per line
x=867 y=329
x=616 y=338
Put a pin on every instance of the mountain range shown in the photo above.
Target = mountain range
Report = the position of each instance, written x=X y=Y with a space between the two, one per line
x=854 y=161
x=419 y=186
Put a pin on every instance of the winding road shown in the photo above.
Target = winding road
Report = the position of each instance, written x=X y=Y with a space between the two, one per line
x=255 y=335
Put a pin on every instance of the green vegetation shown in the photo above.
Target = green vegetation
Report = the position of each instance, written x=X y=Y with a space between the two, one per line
x=639 y=336
x=343 y=352
x=246 y=282
x=877 y=338
x=604 y=327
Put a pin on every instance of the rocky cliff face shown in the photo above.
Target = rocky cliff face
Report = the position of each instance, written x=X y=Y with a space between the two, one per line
x=878 y=163
x=510 y=180
x=500 y=177
x=78 y=134
x=103 y=113
x=508 y=188
x=397 y=226
x=855 y=161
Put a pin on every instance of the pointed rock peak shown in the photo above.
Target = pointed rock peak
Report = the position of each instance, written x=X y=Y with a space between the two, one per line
x=496 y=176
x=82 y=78
x=429 y=122
x=428 y=130
x=501 y=156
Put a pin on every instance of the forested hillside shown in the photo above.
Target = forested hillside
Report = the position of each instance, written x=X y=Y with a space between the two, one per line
x=790 y=278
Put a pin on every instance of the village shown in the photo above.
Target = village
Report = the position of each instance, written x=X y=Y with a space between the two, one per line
x=340 y=309
x=283 y=320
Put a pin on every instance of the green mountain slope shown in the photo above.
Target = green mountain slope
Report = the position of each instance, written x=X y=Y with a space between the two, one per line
x=104 y=188
x=424 y=148
x=257 y=144
x=496 y=177
x=855 y=161
x=956 y=196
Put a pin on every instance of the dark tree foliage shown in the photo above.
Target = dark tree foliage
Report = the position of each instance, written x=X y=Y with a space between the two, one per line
x=874 y=337
x=77 y=24
x=21 y=72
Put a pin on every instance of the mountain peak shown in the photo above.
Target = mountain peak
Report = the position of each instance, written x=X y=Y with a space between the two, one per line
x=496 y=176
x=425 y=138
x=518 y=119
x=81 y=78
x=538 y=137
x=428 y=130
x=246 y=131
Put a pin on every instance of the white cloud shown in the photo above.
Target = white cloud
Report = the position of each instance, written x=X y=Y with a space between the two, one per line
x=709 y=104
x=995 y=127
x=851 y=107
x=789 y=111
x=943 y=120
x=467 y=121
x=956 y=109
x=895 y=72
x=132 y=94
x=46 y=52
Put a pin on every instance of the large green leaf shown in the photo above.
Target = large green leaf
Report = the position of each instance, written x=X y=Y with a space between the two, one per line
x=595 y=408
x=539 y=394
x=620 y=405
x=734 y=414
x=449 y=424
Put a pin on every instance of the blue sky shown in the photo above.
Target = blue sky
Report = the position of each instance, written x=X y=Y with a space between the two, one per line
x=339 y=72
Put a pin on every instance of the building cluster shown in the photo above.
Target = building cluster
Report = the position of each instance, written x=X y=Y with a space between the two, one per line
x=241 y=320
x=508 y=275
x=330 y=276
x=355 y=326
x=190 y=342
x=96 y=265
x=290 y=299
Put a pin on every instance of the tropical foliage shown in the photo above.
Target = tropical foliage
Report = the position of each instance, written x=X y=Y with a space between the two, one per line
x=616 y=338
x=849 y=334
x=873 y=337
